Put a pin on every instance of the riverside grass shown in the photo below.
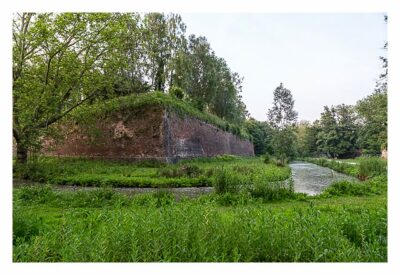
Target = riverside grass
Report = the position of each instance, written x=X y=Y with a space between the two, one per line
x=257 y=223
x=362 y=167
x=104 y=226
x=188 y=173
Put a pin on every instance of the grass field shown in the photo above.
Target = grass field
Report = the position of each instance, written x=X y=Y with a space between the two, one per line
x=250 y=217
x=199 y=172
x=105 y=226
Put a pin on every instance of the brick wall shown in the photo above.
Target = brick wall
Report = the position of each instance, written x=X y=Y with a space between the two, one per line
x=124 y=135
x=151 y=133
x=192 y=137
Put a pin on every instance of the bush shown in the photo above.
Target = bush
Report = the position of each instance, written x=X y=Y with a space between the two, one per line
x=267 y=158
x=272 y=191
x=176 y=92
x=226 y=181
x=370 y=167
x=374 y=186
x=191 y=170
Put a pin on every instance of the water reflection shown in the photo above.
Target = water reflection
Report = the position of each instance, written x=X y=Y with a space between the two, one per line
x=313 y=179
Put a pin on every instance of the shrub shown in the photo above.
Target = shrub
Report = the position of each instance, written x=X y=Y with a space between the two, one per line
x=272 y=191
x=191 y=170
x=226 y=181
x=176 y=92
x=374 y=186
x=370 y=167
x=267 y=158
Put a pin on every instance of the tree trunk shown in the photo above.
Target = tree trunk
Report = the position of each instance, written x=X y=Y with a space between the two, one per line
x=22 y=154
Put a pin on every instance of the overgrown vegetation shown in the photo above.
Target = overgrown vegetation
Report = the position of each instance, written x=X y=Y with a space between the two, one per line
x=102 y=109
x=188 y=173
x=362 y=168
x=105 y=226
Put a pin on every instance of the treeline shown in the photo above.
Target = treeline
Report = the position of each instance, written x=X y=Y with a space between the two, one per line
x=342 y=131
x=61 y=61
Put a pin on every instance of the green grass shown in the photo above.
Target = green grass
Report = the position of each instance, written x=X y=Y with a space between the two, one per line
x=362 y=168
x=103 y=226
x=253 y=215
x=189 y=173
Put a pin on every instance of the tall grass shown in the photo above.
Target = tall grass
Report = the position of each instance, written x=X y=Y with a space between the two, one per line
x=364 y=168
x=189 y=173
x=156 y=228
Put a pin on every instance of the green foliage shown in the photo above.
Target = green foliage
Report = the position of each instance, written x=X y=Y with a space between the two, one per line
x=370 y=167
x=375 y=186
x=274 y=191
x=338 y=132
x=25 y=226
x=60 y=61
x=188 y=173
x=282 y=114
x=87 y=114
x=284 y=144
x=226 y=228
x=176 y=92
x=208 y=82
x=339 y=166
x=363 y=168
x=226 y=181
x=267 y=158
x=261 y=134
x=373 y=112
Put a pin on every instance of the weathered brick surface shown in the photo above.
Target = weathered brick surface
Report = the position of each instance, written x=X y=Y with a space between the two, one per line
x=151 y=133
x=126 y=135
x=191 y=137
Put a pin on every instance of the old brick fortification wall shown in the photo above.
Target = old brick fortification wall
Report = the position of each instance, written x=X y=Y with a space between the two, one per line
x=190 y=137
x=149 y=133
x=125 y=135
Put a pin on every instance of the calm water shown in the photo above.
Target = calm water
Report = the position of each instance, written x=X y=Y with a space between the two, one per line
x=313 y=179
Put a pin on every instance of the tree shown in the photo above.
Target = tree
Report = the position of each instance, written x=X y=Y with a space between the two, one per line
x=261 y=133
x=373 y=113
x=338 y=131
x=59 y=62
x=282 y=117
x=282 y=114
x=163 y=38
x=307 y=138
x=208 y=82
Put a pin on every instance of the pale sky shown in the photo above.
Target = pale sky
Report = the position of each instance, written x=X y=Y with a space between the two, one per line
x=323 y=58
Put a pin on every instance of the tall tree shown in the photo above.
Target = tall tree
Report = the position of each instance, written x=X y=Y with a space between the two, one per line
x=282 y=113
x=163 y=37
x=282 y=118
x=373 y=113
x=59 y=62
x=338 y=131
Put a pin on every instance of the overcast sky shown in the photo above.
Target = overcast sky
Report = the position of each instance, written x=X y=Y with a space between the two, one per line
x=324 y=59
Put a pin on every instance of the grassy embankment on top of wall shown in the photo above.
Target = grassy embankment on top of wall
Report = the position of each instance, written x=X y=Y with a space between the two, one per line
x=137 y=101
